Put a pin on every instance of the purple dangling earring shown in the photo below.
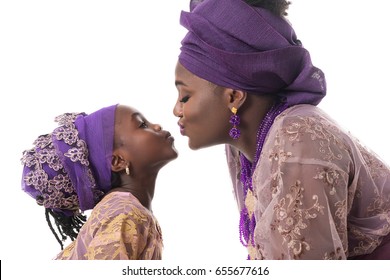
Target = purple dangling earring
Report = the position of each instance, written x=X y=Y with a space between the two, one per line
x=235 y=121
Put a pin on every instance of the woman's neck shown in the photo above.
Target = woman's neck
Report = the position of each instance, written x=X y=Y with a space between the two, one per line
x=253 y=112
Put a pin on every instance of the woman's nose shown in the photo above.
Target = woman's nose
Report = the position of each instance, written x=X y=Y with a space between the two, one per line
x=177 y=110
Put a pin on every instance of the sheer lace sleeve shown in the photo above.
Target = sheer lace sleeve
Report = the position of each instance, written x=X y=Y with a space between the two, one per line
x=312 y=183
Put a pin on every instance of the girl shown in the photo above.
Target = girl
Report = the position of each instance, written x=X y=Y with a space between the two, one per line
x=107 y=161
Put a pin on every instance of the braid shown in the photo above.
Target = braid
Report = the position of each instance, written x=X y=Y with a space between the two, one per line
x=66 y=226
x=69 y=226
x=278 y=7
x=47 y=211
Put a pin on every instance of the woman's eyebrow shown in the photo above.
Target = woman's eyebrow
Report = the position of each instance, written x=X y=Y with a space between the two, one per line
x=179 y=83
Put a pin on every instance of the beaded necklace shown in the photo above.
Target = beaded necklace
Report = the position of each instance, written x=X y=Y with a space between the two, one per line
x=247 y=220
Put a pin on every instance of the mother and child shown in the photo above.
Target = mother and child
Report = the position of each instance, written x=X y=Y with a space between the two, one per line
x=305 y=188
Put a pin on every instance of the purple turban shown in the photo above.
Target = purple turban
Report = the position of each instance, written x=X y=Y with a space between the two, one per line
x=70 y=168
x=235 y=45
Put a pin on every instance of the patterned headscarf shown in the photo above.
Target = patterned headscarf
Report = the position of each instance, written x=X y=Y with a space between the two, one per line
x=235 y=45
x=70 y=168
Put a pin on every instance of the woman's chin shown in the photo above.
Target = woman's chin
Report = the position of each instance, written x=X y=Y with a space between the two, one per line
x=193 y=145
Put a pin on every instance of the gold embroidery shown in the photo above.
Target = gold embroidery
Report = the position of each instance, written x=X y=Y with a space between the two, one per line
x=250 y=202
x=320 y=130
x=291 y=218
x=251 y=252
x=330 y=177
x=376 y=167
x=335 y=255
x=119 y=228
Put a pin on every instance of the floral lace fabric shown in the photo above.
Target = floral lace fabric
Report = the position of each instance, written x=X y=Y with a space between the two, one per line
x=45 y=177
x=318 y=193
x=119 y=228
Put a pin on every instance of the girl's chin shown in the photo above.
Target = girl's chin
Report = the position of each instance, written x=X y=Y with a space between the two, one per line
x=175 y=154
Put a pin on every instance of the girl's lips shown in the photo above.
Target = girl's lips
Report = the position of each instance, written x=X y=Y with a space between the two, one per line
x=169 y=137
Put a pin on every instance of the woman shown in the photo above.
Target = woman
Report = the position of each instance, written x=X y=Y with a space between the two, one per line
x=304 y=187
x=107 y=161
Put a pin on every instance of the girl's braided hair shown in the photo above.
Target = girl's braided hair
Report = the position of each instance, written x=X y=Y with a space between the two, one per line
x=69 y=226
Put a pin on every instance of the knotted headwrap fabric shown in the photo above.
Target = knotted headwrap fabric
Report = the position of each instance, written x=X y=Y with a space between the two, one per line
x=235 y=45
x=70 y=168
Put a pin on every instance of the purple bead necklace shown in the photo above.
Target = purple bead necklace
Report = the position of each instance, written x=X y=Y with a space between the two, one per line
x=247 y=221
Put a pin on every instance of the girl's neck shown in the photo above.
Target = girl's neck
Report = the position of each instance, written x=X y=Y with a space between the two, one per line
x=141 y=187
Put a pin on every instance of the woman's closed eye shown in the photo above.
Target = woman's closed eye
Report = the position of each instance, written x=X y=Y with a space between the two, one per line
x=185 y=99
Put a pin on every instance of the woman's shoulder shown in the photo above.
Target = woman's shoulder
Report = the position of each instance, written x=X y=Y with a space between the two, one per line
x=308 y=128
x=305 y=115
x=303 y=110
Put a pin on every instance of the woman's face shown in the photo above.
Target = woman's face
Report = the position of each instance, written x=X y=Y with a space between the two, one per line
x=202 y=109
x=145 y=143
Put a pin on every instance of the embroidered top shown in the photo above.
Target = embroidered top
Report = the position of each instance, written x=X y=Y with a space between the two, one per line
x=318 y=193
x=119 y=228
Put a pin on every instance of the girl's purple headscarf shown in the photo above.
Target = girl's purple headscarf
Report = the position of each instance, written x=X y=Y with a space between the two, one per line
x=235 y=45
x=70 y=168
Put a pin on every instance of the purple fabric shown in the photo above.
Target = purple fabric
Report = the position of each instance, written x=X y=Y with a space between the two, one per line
x=70 y=168
x=98 y=131
x=238 y=46
x=382 y=252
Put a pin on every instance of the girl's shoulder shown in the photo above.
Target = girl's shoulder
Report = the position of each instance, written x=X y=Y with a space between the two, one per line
x=122 y=205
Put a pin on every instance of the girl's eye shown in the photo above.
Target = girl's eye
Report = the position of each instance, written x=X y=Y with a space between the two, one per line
x=143 y=125
x=184 y=99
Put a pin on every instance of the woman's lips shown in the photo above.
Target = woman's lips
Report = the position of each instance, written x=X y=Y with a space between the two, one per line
x=181 y=128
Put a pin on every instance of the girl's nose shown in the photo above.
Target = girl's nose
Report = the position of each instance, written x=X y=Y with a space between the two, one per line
x=157 y=127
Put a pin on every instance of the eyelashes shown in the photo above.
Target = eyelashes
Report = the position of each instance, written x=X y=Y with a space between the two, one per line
x=184 y=99
x=143 y=124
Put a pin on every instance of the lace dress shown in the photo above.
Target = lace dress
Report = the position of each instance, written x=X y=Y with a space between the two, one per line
x=119 y=228
x=317 y=192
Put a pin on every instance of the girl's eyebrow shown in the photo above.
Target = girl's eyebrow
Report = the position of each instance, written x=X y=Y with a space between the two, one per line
x=136 y=114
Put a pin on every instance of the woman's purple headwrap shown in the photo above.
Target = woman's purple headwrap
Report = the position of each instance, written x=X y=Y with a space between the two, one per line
x=235 y=45
x=70 y=168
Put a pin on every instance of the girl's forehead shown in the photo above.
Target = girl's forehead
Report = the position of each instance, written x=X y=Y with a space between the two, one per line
x=126 y=114
x=125 y=110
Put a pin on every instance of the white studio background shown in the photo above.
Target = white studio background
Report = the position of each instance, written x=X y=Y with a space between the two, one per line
x=71 y=56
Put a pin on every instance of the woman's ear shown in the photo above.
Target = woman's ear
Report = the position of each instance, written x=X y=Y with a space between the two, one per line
x=235 y=97
x=118 y=163
x=238 y=98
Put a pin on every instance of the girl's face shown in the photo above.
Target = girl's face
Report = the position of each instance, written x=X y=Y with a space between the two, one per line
x=202 y=109
x=145 y=143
